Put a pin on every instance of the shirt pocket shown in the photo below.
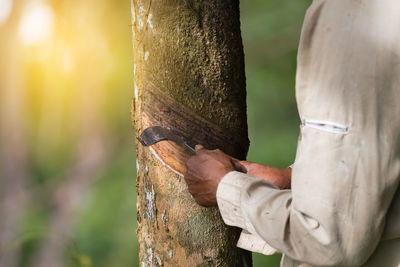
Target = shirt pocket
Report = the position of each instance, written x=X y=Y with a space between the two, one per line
x=327 y=126
x=320 y=134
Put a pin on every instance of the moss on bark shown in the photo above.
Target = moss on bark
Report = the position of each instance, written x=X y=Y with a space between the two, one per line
x=191 y=52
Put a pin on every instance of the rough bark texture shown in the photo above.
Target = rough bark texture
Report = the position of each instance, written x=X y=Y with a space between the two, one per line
x=189 y=76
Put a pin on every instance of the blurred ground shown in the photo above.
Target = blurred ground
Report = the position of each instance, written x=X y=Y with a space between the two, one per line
x=67 y=163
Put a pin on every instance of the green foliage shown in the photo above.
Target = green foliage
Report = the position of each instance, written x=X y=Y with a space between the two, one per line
x=105 y=234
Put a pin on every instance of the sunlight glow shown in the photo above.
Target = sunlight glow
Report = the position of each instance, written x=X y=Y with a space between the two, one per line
x=5 y=10
x=68 y=62
x=36 y=24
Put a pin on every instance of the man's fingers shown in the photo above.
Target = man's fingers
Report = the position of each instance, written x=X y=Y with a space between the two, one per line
x=239 y=166
x=198 y=147
x=246 y=164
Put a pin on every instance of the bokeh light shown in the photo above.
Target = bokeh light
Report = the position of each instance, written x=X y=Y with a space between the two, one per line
x=36 y=24
x=5 y=10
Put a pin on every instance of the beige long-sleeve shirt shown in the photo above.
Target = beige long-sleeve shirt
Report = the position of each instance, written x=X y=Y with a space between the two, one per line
x=344 y=205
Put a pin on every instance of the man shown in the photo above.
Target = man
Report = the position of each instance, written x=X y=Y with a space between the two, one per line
x=339 y=205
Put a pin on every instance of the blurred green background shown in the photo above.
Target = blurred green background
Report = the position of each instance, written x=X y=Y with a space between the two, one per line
x=67 y=162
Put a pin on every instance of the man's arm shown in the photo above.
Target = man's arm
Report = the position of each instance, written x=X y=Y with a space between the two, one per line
x=206 y=169
x=280 y=177
x=348 y=159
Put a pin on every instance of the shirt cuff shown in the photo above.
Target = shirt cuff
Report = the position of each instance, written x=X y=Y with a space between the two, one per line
x=228 y=198
x=254 y=243
x=229 y=203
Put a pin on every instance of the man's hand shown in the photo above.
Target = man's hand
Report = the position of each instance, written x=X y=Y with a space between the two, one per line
x=204 y=171
x=279 y=177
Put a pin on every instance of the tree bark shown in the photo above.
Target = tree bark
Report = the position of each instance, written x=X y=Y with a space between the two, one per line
x=189 y=77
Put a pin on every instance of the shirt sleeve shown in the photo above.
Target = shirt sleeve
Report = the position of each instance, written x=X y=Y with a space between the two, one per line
x=228 y=197
x=347 y=164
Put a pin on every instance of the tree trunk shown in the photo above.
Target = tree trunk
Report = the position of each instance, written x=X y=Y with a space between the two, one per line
x=189 y=77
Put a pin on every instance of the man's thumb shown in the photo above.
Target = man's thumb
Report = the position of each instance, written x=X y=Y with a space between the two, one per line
x=198 y=147
x=239 y=166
